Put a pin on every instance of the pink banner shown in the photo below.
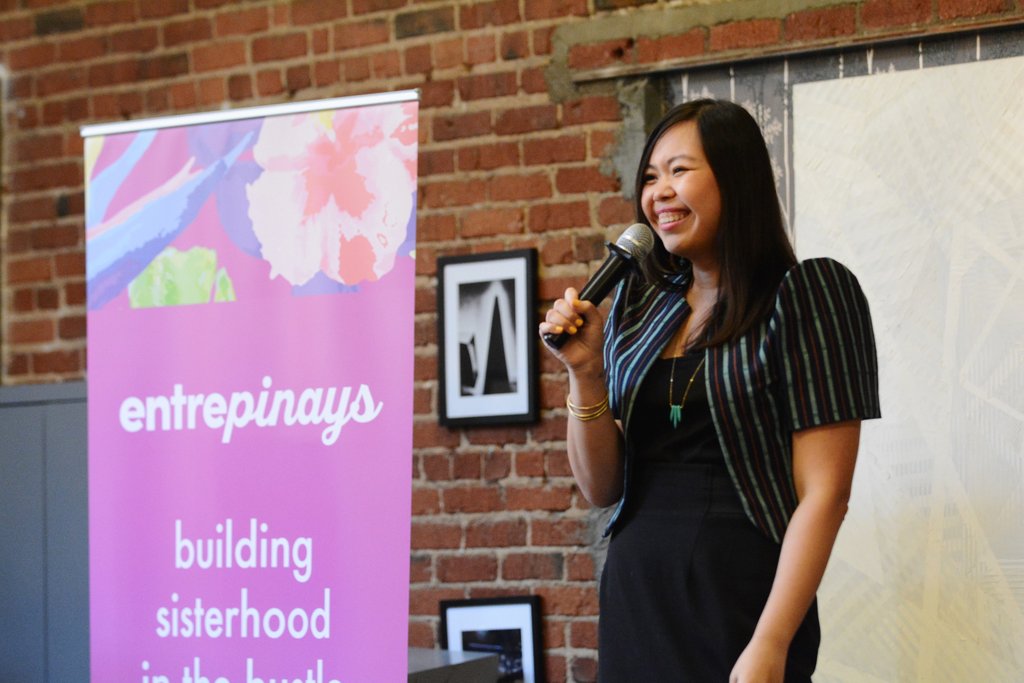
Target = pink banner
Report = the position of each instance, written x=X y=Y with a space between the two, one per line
x=250 y=288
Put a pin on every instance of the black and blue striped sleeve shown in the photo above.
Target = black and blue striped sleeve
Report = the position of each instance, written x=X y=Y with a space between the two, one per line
x=826 y=357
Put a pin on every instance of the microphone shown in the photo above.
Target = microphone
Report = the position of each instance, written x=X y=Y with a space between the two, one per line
x=632 y=246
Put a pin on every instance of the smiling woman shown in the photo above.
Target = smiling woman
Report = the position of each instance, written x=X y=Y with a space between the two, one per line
x=736 y=379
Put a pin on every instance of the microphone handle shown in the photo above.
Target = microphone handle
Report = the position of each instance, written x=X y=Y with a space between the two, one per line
x=597 y=287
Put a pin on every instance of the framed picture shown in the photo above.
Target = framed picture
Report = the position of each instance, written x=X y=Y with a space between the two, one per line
x=509 y=627
x=486 y=332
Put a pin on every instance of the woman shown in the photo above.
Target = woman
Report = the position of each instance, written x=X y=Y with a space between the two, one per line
x=719 y=405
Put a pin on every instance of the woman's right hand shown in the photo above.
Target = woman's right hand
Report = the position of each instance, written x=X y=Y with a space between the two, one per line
x=583 y=322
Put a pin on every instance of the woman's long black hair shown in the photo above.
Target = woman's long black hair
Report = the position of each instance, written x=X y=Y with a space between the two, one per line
x=753 y=249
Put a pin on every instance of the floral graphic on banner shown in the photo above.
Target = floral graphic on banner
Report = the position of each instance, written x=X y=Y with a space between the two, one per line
x=296 y=204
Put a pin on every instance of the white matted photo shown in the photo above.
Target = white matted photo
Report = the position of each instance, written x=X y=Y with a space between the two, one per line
x=487 y=354
x=508 y=627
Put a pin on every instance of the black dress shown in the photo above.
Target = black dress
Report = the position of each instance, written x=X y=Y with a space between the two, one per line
x=687 y=573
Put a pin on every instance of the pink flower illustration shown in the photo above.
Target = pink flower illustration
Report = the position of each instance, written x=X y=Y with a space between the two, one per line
x=336 y=192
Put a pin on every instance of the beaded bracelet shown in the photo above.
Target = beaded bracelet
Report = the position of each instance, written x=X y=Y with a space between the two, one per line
x=587 y=413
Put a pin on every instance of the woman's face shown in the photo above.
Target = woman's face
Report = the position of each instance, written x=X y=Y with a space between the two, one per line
x=680 y=196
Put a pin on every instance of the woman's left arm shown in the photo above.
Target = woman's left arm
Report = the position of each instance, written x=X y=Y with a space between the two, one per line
x=823 y=461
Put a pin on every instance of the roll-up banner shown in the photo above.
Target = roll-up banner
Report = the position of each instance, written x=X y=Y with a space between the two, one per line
x=250 y=352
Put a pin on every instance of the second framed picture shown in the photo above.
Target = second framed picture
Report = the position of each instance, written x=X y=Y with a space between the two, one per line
x=487 y=356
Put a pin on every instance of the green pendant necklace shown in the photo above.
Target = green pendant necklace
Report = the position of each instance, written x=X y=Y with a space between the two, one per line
x=675 y=411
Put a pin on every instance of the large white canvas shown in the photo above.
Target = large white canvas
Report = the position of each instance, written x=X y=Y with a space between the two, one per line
x=915 y=180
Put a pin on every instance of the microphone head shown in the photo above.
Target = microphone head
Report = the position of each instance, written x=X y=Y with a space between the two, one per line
x=637 y=241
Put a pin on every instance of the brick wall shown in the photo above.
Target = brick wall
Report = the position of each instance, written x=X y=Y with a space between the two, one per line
x=519 y=121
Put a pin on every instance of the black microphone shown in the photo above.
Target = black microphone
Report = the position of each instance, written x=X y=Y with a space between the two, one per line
x=632 y=246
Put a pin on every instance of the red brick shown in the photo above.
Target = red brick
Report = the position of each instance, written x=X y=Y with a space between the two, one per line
x=554 y=9
x=491 y=222
x=885 y=13
x=569 y=601
x=584 y=669
x=462 y=126
x=162 y=8
x=590 y=110
x=421 y=568
x=284 y=46
x=365 y=6
x=526 y=120
x=453 y=193
x=437 y=93
x=242 y=22
x=56 y=362
x=30 y=331
x=552 y=499
x=81 y=49
x=554 y=251
x=742 y=35
x=48 y=298
x=666 y=48
x=240 y=87
x=351 y=36
x=497 y=465
x=18 y=364
x=316 y=11
x=386 y=64
x=584 y=179
x=135 y=40
x=524 y=566
x=501 y=534
x=500 y=436
x=435 y=228
x=447 y=53
x=218 y=55
x=616 y=211
x=36 y=269
x=514 y=46
x=425 y=600
x=554 y=150
x=431 y=535
x=466 y=466
x=559 y=532
x=326 y=73
x=583 y=635
x=421 y=635
x=23 y=300
x=424 y=22
x=15 y=28
x=554 y=667
x=480 y=50
x=486 y=85
x=67 y=265
x=269 y=82
x=467 y=568
x=521 y=187
x=472 y=499
x=71 y=327
x=817 y=24
x=297 y=78
x=31 y=56
x=188 y=31
x=425 y=501
x=418 y=60
x=356 y=69
x=321 y=41
x=106 y=13
x=961 y=9
x=544 y=217
x=580 y=567
x=488 y=157
x=212 y=90
x=55 y=236
x=598 y=55
x=496 y=13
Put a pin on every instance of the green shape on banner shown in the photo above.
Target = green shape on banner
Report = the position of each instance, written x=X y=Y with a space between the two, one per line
x=176 y=278
x=223 y=288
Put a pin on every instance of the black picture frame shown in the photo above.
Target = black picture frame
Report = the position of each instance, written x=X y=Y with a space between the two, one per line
x=508 y=626
x=487 y=350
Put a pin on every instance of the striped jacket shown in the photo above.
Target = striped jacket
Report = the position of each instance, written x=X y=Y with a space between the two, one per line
x=811 y=362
